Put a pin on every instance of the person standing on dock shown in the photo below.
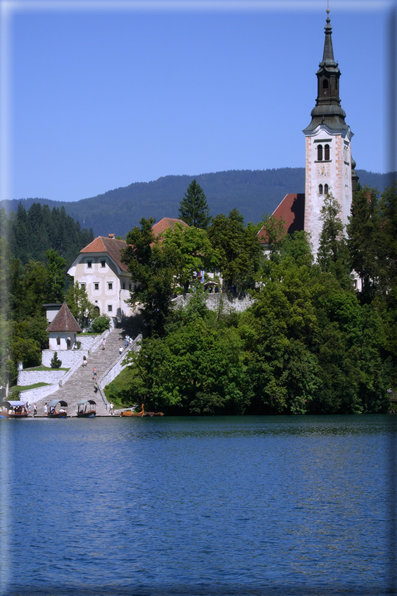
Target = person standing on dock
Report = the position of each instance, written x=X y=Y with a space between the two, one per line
x=94 y=373
x=104 y=344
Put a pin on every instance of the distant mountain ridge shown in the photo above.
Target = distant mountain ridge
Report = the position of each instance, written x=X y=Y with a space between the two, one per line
x=253 y=193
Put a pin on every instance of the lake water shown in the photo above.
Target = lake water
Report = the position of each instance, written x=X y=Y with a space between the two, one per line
x=223 y=505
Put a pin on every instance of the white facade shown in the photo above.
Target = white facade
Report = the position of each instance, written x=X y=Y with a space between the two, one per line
x=61 y=340
x=107 y=286
x=331 y=174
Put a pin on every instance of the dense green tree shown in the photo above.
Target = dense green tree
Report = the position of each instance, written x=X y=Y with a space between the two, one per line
x=193 y=208
x=275 y=233
x=81 y=308
x=56 y=272
x=333 y=255
x=153 y=270
x=310 y=346
x=193 y=252
x=388 y=239
x=238 y=247
x=297 y=248
x=364 y=240
x=35 y=231
x=100 y=324
x=195 y=369
x=281 y=365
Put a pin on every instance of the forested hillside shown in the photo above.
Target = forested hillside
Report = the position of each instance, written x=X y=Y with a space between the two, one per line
x=252 y=192
x=30 y=233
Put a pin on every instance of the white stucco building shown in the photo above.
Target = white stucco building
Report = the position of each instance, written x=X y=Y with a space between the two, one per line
x=105 y=277
x=63 y=330
x=99 y=268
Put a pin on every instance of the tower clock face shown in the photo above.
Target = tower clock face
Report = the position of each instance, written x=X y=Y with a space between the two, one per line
x=323 y=170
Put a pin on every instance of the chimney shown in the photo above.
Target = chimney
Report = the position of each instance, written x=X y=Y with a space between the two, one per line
x=111 y=235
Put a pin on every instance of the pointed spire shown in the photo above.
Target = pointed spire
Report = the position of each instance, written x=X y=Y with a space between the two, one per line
x=328 y=56
x=328 y=110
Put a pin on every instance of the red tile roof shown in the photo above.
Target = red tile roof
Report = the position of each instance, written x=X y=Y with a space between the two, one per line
x=64 y=321
x=292 y=211
x=111 y=246
x=167 y=223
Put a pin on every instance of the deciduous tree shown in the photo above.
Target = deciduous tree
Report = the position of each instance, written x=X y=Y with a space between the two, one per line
x=152 y=268
x=238 y=247
x=193 y=252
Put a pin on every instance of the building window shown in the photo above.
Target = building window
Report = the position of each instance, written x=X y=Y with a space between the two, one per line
x=326 y=152
x=82 y=286
x=320 y=189
x=58 y=341
x=110 y=285
x=96 y=286
x=89 y=264
x=103 y=263
x=110 y=308
x=123 y=285
x=129 y=286
x=319 y=153
x=325 y=84
x=325 y=189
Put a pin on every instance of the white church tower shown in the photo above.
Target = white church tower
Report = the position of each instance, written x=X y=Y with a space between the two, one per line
x=329 y=166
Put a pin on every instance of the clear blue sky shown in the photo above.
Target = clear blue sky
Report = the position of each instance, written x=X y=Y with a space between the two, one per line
x=101 y=97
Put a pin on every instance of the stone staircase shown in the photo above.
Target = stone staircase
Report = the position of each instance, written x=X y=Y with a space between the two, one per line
x=81 y=384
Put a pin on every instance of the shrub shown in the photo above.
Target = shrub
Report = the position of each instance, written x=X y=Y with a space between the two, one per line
x=100 y=324
x=55 y=362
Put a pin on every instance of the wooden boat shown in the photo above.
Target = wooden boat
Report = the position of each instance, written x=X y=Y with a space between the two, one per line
x=57 y=408
x=141 y=414
x=86 y=408
x=13 y=409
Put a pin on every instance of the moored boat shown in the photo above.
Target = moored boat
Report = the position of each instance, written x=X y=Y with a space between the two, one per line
x=13 y=409
x=140 y=414
x=86 y=408
x=57 y=408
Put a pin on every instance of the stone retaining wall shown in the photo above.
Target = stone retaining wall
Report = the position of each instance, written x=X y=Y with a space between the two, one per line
x=31 y=377
x=227 y=302
x=86 y=341
x=67 y=357
x=35 y=395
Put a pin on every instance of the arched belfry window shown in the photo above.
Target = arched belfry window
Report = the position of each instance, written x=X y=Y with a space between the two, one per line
x=319 y=153
x=326 y=152
x=325 y=84
x=325 y=189
x=320 y=189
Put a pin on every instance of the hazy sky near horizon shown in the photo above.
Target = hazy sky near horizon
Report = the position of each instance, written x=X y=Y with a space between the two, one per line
x=102 y=95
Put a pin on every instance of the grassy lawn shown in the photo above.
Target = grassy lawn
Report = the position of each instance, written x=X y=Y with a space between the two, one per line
x=18 y=388
x=88 y=333
x=120 y=391
x=44 y=368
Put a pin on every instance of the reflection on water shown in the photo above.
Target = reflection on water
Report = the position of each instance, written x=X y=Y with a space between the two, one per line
x=232 y=505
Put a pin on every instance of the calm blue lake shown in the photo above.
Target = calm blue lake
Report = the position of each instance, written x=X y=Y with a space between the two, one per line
x=223 y=505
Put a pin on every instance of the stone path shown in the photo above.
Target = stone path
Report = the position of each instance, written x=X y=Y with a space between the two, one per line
x=81 y=384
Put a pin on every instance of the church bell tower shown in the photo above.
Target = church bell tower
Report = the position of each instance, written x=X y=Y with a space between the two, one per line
x=328 y=168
